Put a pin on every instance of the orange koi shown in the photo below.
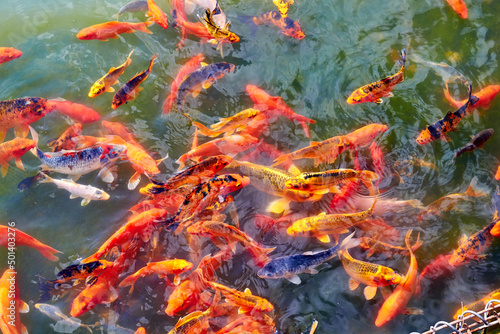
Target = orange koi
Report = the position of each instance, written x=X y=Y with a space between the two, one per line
x=220 y=34
x=399 y=298
x=140 y=330
x=14 y=149
x=120 y=130
x=131 y=89
x=159 y=17
x=194 y=322
x=64 y=141
x=374 y=91
x=374 y=245
x=485 y=96
x=287 y=26
x=459 y=7
x=76 y=111
x=283 y=6
x=256 y=126
x=109 y=79
x=190 y=66
x=275 y=106
x=11 y=305
x=180 y=17
x=229 y=145
x=478 y=305
x=167 y=201
x=14 y=236
x=104 y=31
x=162 y=269
x=228 y=125
x=364 y=135
x=438 y=267
x=8 y=54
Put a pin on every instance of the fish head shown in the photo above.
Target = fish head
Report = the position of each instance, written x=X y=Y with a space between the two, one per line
x=180 y=266
x=86 y=34
x=358 y=96
x=233 y=38
x=227 y=67
x=387 y=275
x=96 y=90
x=101 y=195
x=233 y=183
x=11 y=53
x=118 y=100
x=272 y=269
x=424 y=137
x=22 y=145
x=291 y=28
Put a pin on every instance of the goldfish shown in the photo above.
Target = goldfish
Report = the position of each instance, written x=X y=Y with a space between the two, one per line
x=8 y=54
x=220 y=34
x=375 y=91
x=8 y=233
x=159 y=17
x=288 y=27
x=134 y=6
x=109 y=79
x=191 y=65
x=120 y=130
x=377 y=160
x=399 y=298
x=275 y=106
x=64 y=141
x=484 y=98
x=290 y=266
x=203 y=77
x=364 y=135
x=373 y=245
x=76 y=111
x=322 y=225
x=448 y=123
x=11 y=305
x=283 y=6
x=459 y=7
x=229 y=145
x=104 y=31
x=63 y=321
x=476 y=142
x=88 y=193
x=162 y=268
x=370 y=274
x=478 y=305
x=194 y=322
x=19 y=113
x=230 y=124
x=131 y=89
x=14 y=149
x=445 y=71
x=181 y=21
x=449 y=202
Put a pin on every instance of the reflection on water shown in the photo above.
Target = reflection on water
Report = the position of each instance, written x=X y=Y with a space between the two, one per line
x=347 y=44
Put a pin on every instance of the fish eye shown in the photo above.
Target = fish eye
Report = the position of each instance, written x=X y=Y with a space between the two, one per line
x=238 y=184
x=296 y=186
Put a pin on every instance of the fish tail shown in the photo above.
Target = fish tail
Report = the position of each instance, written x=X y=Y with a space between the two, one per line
x=46 y=287
x=48 y=252
x=260 y=255
x=282 y=159
x=206 y=131
x=144 y=27
x=417 y=243
x=403 y=56
x=129 y=281
x=152 y=62
x=474 y=191
x=35 y=150
x=217 y=9
x=349 y=242
x=169 y=102
x=128 y=61
x=453 y=102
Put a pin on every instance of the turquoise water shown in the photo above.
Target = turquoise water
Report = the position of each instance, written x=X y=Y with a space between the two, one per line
x=348 y=43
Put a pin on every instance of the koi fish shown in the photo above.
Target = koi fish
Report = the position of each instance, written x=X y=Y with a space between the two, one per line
x=445 y=71
x=14 y=149
x=109 y=79
x=159 y=17
x=63 y=321
x=364 y=135
x=437 y=268
x=134 y=6
x=377 y=161
x=19 y=113
x=220 y=34
x=131 y=89
x=374 y=245
x=162 y=268
x=478 y=305
x=288 y=27
x=120 y=130
x=485 y=96
x=372 y=275
x=194 y=28
x=322 y=225
x=446 y=124
x=290 y=266
x=375 y=91
x=64 y=141
x=23 y=239
x=140 y=330
x=459 y=7
x=194 y=322
x=283 y=6
x=11 y=305
x=476 y=142
x=88 y=193
x=229 y=145
x=399 y=298
x=191 y=65
x=275 y=106
x=104 y=31
x=8 y=54
x=76 y=111
x=218 y=16
x=203 y=77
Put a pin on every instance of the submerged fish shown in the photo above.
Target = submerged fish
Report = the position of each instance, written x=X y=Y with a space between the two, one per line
x=134 y=6
x=220 y=34
x=478 y=305
x=63 y=321
x=76 y=111
x=111 y=78
x=158 y=16
x=476 y=142
x=64 y=141
x=288 y=27
x=283 y=6
x=459 y=7
x=24 y=239
x=11 y=304
x=104 y=31
x=8 y=54
x=485 y=96
x=445 y=71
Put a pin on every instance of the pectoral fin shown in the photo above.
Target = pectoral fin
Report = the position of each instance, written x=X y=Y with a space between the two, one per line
x=177 y=280
x=378 y=101
x=353 y=285
x=207 y=84
x=110 y=90
x=134 y=181
x=19 y=163
x=279 y=205
x=4 y=169
x=23 y=307
x=85 y=201
x=323 y=238
x=196 y=91
x=294 y=279
x=73 y=196
x=370 y=292
x=22 y=130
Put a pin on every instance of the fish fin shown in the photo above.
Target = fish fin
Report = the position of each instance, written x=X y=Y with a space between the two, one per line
x=311 y=271
x=295 y=279
x=207 y=84
x=353 y=285
x=462 y=240
x=445 y=138
x=203 y=64
x=19 y=163
x=110 y=90
x=2 y=135
x=108 y=173
x=85 y=201
x=334 y=189
x=378 y=101
x=177 y=280
x=390 y=94
x=90 y=280
x=474 y=191
x=72 y=196
x=23 y=307
x=21 y=130
x=247 y=291
x=134 y=181
x=370 y=292
x=312 y=143
x=413 y=310
x=196 y=91
x=279 y=205
x=293 y=170
x=323 y=238
x=386 y=291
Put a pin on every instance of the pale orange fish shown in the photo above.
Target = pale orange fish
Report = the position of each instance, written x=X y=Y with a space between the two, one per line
x=459 y=7
x=23 y=239
x=104 y=31
x=14 y=149
x=157 y=14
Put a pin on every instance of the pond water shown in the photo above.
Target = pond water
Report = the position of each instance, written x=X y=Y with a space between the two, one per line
x=348 y=43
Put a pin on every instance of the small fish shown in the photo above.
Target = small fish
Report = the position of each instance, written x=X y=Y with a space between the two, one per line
x=485 y=96
x=109 y=79
x=445 y=71
x=131 y=89
x=88 y=193
x=11 y=304
x=76 y=111
x=203 y=77
x=288 y=27
x=104 y=31
x=134 y=6
x=290 y=266
x=14 y=149
x=476 y=142
x=64 y=141
x=478 y=305
x=24 y=239
x=375 y=91
x=450 y=122
x=158 y=16
x=63 y=320
x=459 y=7
x=8 y=54
x=437 y=268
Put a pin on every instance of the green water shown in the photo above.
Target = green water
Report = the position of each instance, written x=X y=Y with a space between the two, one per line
x=348 y=43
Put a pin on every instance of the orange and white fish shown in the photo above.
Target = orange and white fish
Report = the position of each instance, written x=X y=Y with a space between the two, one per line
x=64 y=141
x=11 y=305
x=14 y=149
x=459 y=7
x=485 y=96
x=8 y=54
x=8 y=233
x=109 y=79
x=375 y=91
x=76 y=111
x=104 y=31
x=159 y=17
